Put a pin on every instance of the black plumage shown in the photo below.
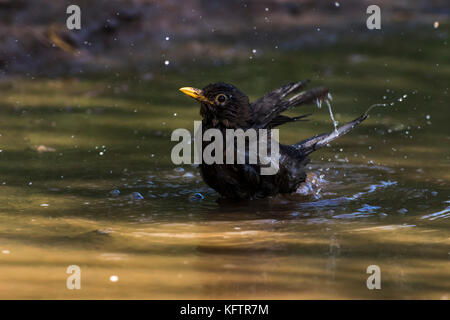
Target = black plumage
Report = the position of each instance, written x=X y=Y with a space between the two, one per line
x=223 y=106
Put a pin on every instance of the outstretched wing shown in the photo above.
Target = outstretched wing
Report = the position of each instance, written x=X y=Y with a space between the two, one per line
x=266 y=110
x=280 y=119
x=314 y=143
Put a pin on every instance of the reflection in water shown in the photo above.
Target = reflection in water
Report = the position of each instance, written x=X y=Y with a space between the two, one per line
x=86 y=179
x=294 y=246
x=439 y=215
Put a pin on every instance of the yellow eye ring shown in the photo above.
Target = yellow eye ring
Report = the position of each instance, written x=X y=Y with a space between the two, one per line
x=221 y=98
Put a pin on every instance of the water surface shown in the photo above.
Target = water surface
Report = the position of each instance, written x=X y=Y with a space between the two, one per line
x=86 y=179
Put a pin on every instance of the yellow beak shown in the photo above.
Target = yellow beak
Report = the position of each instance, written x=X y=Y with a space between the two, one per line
x=197 y=94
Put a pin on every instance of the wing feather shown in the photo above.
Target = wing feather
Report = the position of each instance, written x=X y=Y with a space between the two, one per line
x=267 y=109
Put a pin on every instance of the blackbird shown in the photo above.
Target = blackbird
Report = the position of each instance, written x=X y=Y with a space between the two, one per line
x=223 y=106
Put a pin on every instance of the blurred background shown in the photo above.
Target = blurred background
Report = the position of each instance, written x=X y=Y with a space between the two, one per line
x=85 y=171
x=141 y=35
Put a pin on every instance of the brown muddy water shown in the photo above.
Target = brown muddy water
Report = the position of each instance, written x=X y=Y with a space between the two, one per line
x=86 y=179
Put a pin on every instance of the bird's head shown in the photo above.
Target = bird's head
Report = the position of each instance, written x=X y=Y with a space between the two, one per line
x=221 y=104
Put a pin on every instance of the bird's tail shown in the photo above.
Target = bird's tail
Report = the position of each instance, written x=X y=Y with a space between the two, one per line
x=314 y=143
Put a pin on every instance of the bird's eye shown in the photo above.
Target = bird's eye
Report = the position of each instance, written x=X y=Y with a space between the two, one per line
x=221 y=98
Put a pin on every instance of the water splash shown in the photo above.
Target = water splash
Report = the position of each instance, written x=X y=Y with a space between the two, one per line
x=328 y=100
x=375 y=105
x=335 y=123
x=319 y=103
x=312 y=186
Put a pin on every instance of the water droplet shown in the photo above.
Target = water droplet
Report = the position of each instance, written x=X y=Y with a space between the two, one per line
x=197 y=196
x=136 y=196
x=335 y=123
x=188 y=175
x=114 y=192
x=114 y=278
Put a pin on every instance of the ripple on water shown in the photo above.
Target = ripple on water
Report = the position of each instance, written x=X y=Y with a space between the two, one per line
x=346 y=191
x=365 y=211
x=444 y=214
